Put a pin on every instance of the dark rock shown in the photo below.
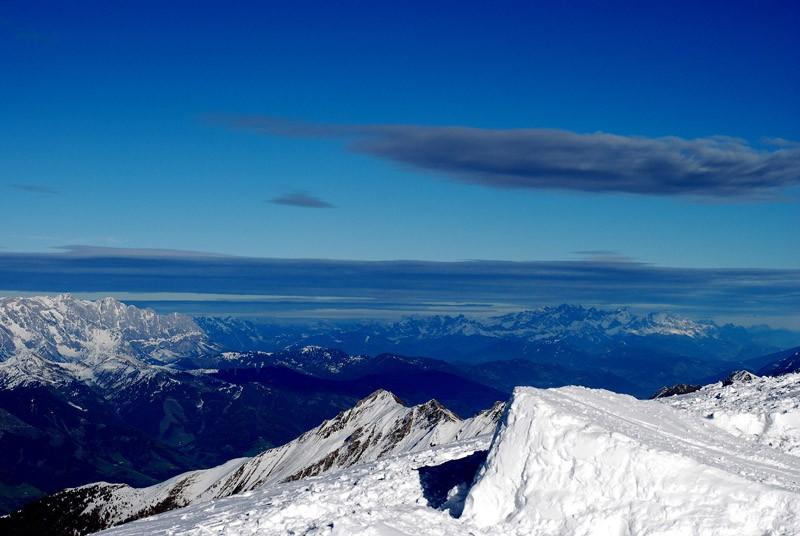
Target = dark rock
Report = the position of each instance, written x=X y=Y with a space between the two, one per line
x=677 y=389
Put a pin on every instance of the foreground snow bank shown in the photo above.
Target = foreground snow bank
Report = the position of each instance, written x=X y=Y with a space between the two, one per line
x=581 y=461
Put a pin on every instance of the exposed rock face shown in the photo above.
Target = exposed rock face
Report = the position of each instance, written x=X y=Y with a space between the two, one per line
x=677 y=389
x=376 y=427
x=66 y=329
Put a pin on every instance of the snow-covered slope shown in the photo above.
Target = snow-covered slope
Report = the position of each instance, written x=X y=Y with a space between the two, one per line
x=782 y=363
x=548 y=323
x=66 y=329
x=60 y=339
x=309 y=359
x=764 y=410
x=377 y=427
x=603 y=463
x=381 y=498
x=567 y=461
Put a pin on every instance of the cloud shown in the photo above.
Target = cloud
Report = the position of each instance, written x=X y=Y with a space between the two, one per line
x=367 y=287
x=34 y=188
x=300 y=199
x=604 y=255
x=598 y=253
x=551 y=159
x=80 y=250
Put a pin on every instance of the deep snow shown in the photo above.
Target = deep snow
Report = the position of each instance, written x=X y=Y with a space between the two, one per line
x=568 y=461
x=378 y=426
x=765 y=410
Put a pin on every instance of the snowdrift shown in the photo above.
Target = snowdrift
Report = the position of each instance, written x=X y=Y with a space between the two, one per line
x=579 y=461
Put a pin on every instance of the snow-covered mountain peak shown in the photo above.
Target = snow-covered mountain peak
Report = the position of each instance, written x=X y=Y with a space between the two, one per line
x=67 y=329
x=91 y=340
x=377 y=427
x=380 y=398
x=557 y=322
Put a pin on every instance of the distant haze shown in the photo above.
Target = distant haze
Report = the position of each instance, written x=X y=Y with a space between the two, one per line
x=306 y=288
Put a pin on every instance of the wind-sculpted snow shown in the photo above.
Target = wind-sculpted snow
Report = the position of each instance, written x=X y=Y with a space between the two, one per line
x=580 y=461
x=568 y=462
x=764 y=410
x=377 y=427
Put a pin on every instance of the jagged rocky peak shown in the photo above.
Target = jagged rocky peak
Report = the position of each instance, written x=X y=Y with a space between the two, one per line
x=495 y=412
x=380 y=397
x=377 y=427
x=739 y=376
x=433 y=411
x=67 y=329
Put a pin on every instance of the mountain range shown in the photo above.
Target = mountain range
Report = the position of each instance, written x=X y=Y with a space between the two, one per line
x=377 y=427
x=103 y=391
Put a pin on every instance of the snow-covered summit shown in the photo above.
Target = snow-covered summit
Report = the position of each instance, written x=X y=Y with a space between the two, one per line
x=58 y=339
x=554 y=322
x=377 y=427
x=66 y=329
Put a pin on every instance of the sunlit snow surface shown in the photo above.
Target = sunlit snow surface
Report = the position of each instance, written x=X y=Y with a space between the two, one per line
x=568 y=461
x=765 y=410
x=379 y=426
x=381 y=498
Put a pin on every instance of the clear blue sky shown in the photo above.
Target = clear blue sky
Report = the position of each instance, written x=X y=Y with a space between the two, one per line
x=111 y=133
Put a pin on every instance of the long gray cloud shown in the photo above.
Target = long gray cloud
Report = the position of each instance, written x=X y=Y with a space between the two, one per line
x=713 y=167
x=413 y=285
x=300 y=199
x=34 y=188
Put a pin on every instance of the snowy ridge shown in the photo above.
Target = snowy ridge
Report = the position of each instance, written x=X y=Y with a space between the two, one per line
x=309 y=359
x=60 y=339
x=63 y=328
x=376 y=427
x=27 y=368
x=764 y=410
x=567 y=461
x=554 y=323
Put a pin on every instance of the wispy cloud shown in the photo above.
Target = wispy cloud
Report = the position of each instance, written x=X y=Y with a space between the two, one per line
x=34 y=188
x=598 y=253
x=300 y=199
x=608 y=255
x=410 y=286
x=550 y=159
x=81 y=250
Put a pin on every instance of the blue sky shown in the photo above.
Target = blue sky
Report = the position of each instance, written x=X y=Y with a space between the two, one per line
x=152 y=125
x=109 y=105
